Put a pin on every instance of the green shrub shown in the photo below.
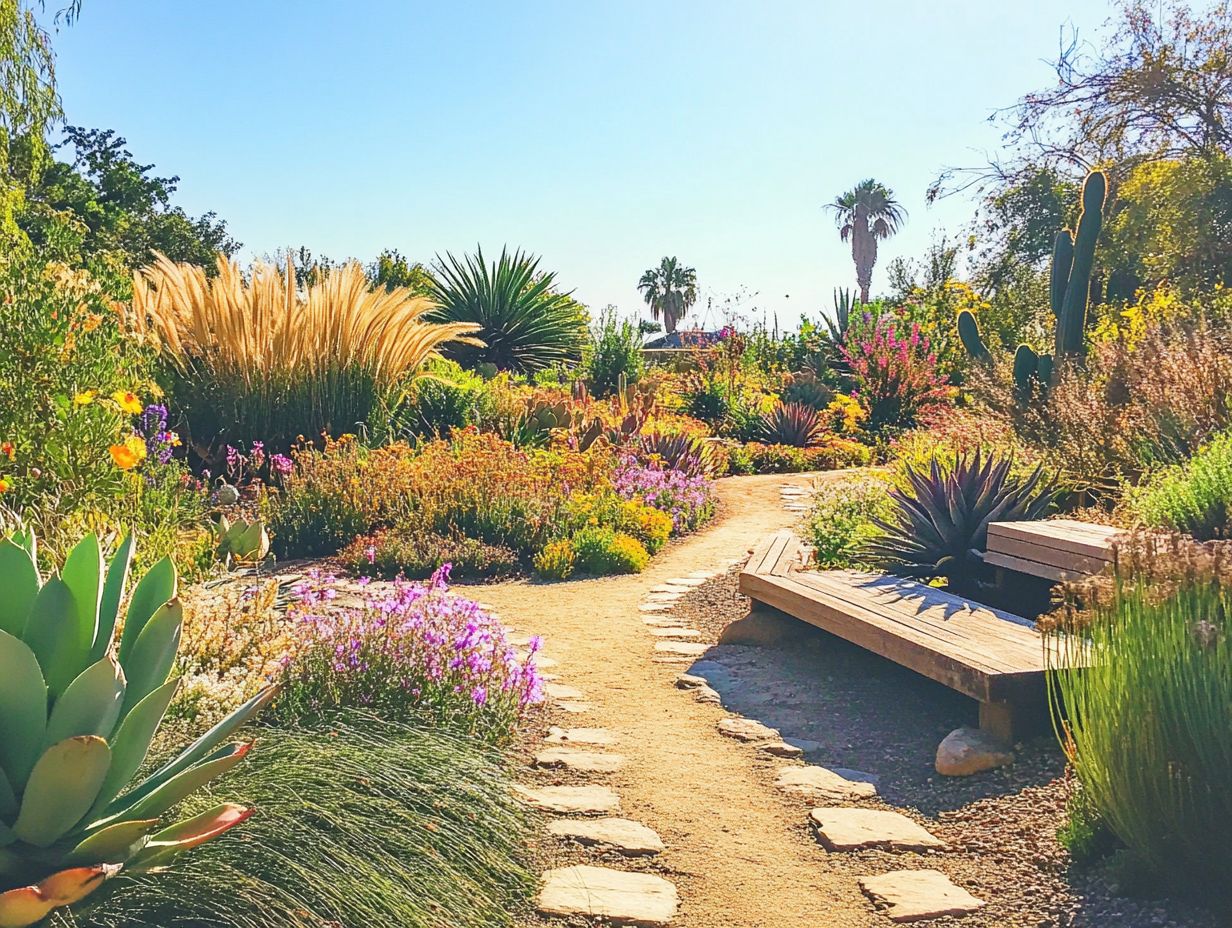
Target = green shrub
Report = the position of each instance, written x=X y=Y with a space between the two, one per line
x=362 y=822
x=417 y=554
x=556 y=560
x=1146 y=722
x=840 y=521
x=756 y=458
x=1194 y=497
x=447 y=397
x=615 y=352
x=602 y=551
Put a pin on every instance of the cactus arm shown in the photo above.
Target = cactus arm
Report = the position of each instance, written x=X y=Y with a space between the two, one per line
x=1062 y=264
x=1071 y=326
x=969 y=333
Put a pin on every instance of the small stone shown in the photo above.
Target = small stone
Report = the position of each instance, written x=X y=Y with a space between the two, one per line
x=571 y=800
x=690 y=681
x=683 y=648
x=746 y=730
x=689 y=581
x=857 y=776
x=822 y=785
x=617 y=834
x=670 y=631
x=560 y=691
x=781 y=749
x=804 y=744
x=618 y=897
x=579 y=761
x=915 y=895
x=705 y=694
x=857 y=829
x=598 y=737
x=966 y=751
x=574 y=706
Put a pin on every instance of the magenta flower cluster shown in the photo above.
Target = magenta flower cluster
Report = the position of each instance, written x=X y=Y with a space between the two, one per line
x=894 y=369
x=407 y=649
x=688 y=499
x=242 y=467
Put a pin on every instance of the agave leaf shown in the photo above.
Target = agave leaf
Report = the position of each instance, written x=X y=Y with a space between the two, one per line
x=114 y=844
x=61 y=789
x=29 y=905
x=55 y=635
x=155 y=589
x=183 y=836
x=131 y=743
x=19 y=579
x=173 y=790
x=23 y=710
x=83 y=574
x=26 y=540
x=113 y=595
x=151 y=658
x=8 y=800
x=90 y=705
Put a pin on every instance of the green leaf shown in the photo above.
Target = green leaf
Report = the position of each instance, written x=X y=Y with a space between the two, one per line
x=150 y=660
x=19 y=580
x=23 y=709
x=113 y=594
x=90 y=705
x=83 y=574
x=132 y=742
x=114 y=844
x=61 y=789
x=171 y=791
x=153 y=590
x=8 y=798
x=55 y=636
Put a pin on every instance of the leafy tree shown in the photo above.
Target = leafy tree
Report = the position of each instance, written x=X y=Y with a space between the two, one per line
x=865 y=214
x=392 y=270
x=670 y=290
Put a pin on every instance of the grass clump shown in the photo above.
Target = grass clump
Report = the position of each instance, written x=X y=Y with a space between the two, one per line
x=1194 y=497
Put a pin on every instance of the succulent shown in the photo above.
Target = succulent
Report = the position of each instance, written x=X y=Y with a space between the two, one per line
x=844 y=303
x=226 y=494
x=1073 y=256
x=241 y=540
x=687 y=453
x=939 y=524
x=78 y=711
x=804 y=387
x=792 y=424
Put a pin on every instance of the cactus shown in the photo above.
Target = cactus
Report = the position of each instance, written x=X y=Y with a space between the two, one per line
x=1073 y=256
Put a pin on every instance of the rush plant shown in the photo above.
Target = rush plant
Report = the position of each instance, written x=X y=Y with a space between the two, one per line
x=78 y=711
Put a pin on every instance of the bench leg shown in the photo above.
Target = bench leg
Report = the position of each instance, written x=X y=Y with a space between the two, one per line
x=997 y=718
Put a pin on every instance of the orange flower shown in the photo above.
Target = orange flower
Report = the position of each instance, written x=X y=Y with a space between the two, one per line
x=128 y=455
x=7 y=449
x=128 y=402
x=5 y=485
x=92 y=322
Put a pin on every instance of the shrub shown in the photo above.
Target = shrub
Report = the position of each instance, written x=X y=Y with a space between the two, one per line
x=834 y=453
x=444 y=399
x=524 y=324
x=557 y=560
x=254 y=360
x=412 y=650
x=840 y=522
x=363 y=822
x=791 y=424
x=418 y=555
x=688 y=500
x=1146 y=723
x=601 y=550
x=1194 y=497
x=806 y=389
x=895 y=373
x=614 y=354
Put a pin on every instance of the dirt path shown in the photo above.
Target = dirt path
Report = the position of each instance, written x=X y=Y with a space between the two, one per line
x=740 y=853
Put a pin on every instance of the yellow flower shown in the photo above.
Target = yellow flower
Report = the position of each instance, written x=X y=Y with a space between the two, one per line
x=127 y=401
x=85 y=398
x=5 y=485
x=174 y=439
x=92 y=322
x=128 y=455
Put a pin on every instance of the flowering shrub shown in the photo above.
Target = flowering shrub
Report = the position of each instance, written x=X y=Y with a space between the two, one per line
x=417 y=554
x=410 y=650
x=832 y=454
x=556 y=561
x=602 y=550
x=895 y=372
x=840 y=521
x=688 y=500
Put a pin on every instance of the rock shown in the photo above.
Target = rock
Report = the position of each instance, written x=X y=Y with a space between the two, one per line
x=683 y=648
x=571 y=800
x=804 y=744
x=560 y=691
x=661 y=597
x=599 y=737
x=689 y=681
x=969 y=750
x=544 y=663
x=747 y=730
x=690 y=581
x=617 y=834
x=781 y=749
x=574 y=705
x=914 y=895
x=663 y=620
x=706 y=695
x=675 y=631
x=654 y=607
x=765 y=628
x=676 y=659
x=857 y=776
x=822 y=785
x=596 y=892
x=579 y=761
x=858 y=829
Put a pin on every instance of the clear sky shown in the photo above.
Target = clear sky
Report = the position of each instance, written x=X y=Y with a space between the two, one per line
x=601 y=135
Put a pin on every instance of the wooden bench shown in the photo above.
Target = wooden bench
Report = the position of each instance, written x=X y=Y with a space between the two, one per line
x=992 y=656
x=1057 y=549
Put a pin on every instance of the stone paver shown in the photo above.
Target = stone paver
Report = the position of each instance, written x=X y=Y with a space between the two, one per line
x=857 y=776
x=575 y=706
x=571 y=800
x=544 y=663
x=579 y=761
x=747 y=730
x=672 y=631
x=617 y=834
x=690 y=581
x=620 y=898
x=663 y=621
x=560 y=691
x=781 y=749
x=857 y=829
x=689 y=681
x=707 y=695
x=595 y=737
x=915 y=895
x=662 y=597
x=682 y=648
x=820 y=784
x=655 y=607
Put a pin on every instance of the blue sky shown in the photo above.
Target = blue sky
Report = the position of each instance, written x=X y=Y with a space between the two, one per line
x=601 y=135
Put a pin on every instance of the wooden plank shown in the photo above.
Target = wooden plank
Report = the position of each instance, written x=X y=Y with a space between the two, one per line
x=1069 y=561
x=789 y=559
x=759 y=553
x=1032 y=568
x=1065 y=534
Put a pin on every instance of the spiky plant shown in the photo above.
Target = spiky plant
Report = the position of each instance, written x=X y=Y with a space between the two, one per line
x=525 y=324
x=792 y=424
x=77 y=714
x=689 y=454
x=257 y=359
x=939 y=524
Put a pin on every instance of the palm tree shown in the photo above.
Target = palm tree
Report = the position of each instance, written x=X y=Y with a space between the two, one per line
x=669 y=290
x=865 y=213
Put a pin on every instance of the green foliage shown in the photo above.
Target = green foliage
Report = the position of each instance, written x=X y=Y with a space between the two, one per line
x=392 y=270
x=417 y=555
x=833 y=453
x=447 y=397
x=792 y=424
x=1146 y=722
x=363 y=822
x=1194 y=497
x=601 y=550
x=76 y=724
x=524 y=322
x=840 y=522
x=614 y=357
x=556 y=561
x=938 y=526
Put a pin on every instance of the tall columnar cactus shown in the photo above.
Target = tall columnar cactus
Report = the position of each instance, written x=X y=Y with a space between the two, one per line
x=1073 y=256
x=77 y=714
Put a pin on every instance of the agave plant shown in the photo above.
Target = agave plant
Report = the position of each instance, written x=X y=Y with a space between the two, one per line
x=241 y=540
x=525 y=324
x=939 y=524
x=686 y=453
x=791 y=424
x=77 y=714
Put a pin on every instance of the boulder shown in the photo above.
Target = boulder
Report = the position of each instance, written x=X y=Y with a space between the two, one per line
x=966 y=751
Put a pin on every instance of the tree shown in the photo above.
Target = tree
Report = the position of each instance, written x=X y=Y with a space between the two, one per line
x=391 y=269
x=864 y=214
x=670 y=290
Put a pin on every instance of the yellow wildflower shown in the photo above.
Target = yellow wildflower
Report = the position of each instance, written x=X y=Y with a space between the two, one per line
x=84 y=398
x=127 y=401
x=92 y=322
x=128 y=455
